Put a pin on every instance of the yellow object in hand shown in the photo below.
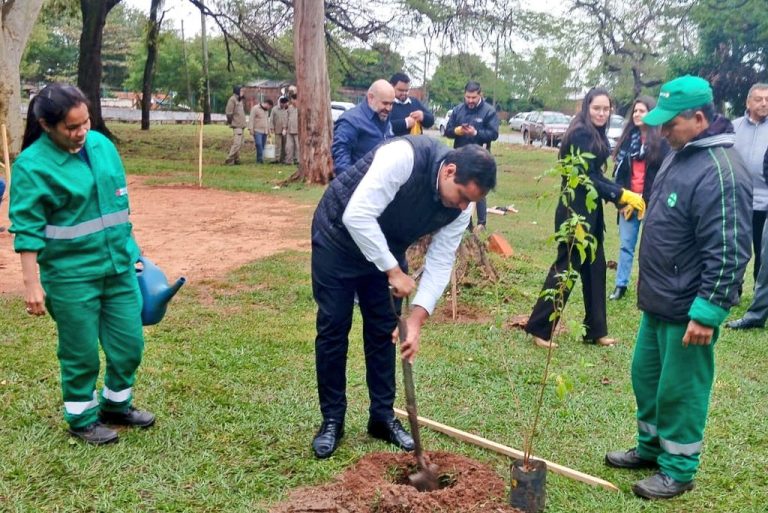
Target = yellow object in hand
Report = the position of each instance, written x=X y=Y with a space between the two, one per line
x=458 y=131
x=633 y=200
x=416 y=128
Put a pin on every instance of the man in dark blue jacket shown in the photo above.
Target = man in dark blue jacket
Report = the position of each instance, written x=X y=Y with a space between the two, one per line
x=363 y=127
x=409 y=115
x=693 y=252
x=364 y=223
x=474 y=122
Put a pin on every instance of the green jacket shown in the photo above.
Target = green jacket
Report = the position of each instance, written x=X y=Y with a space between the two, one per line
x=75 y=216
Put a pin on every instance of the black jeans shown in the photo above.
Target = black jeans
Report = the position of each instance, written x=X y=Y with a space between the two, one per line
x=593 y=289
x=336 y=278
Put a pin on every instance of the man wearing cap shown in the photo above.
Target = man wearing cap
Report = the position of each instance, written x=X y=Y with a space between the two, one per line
x=693 y=253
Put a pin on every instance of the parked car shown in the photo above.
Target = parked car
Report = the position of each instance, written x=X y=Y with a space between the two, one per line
x=338 y=108
x=442 y=121
x=615 y=127
x=545 y=127
x=516 y=121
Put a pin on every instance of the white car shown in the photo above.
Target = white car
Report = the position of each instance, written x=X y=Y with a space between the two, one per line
x=442 y=121
x=338 y=108
x=516 y=121
x=615 y=127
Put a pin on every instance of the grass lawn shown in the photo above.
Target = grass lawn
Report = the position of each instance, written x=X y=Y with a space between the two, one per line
x=230 y=374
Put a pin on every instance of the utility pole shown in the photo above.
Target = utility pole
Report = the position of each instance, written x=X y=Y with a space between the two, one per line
x=207 y=83
x=190 y=98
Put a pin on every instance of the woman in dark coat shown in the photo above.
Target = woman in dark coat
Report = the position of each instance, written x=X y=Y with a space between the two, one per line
x=638 y=156
x=586 y=134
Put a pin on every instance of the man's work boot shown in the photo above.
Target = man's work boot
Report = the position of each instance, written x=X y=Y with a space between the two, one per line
x=628 y=459
x=660 y=486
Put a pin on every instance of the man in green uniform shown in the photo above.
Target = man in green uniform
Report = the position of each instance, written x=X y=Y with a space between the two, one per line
x=693 y=252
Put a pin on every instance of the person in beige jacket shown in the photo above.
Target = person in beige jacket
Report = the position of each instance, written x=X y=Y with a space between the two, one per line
x=258 y=125
x=292 y=135
x=278 y=126
x=235 y=112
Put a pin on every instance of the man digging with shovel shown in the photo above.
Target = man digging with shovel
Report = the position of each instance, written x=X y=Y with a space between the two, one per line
x=364 y=223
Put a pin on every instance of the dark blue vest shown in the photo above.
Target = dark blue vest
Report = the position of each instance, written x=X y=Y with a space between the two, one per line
x=416 y=209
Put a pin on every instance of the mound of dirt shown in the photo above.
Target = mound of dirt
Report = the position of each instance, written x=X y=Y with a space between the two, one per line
x=378 y=483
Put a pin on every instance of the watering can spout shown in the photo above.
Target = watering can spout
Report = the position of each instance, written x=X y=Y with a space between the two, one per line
x=155 y=291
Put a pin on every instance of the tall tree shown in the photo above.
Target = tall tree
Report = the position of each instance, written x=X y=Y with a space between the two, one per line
x=536 y=81
x=17 y=18
x=731 y=51
x=315 y=165
x=452 y=74
x=89 y=66
x=153 y=38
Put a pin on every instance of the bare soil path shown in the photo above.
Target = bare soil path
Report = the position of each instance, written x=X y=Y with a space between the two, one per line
x=197 y=233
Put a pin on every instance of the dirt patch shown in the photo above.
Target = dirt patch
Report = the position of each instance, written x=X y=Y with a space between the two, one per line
x=198 y=233
x=377 y=484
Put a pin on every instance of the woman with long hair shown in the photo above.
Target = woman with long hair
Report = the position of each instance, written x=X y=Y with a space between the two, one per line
x=69 y=213
x=585 y=134
x=638 y=156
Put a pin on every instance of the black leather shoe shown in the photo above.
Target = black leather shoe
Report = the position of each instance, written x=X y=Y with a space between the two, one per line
x=391 y=431
x=327 y=438
x=618 y=293
x=744 y=324
x=628 y=459
x=660 y=486
x=95 y=433
x=131 y=417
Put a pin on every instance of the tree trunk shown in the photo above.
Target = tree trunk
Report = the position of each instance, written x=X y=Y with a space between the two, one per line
x=314 y=96
x=89 y=67
x=153 y=35
x=17 y=17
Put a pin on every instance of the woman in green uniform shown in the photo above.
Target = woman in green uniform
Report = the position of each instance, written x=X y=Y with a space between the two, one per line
x=69 y=213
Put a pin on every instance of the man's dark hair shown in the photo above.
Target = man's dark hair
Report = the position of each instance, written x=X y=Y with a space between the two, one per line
x=708 y=110
x=269 y=102
x=283 y=100
x=236 y=89
x=473 y=164
x=472 y=87
x=399 y=77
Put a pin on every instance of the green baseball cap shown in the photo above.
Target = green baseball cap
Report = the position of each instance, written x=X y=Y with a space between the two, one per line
x=677 y=95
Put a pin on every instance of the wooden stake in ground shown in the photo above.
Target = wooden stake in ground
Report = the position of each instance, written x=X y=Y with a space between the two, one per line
x=453 y=293
x=508 y=451
x=200 y=155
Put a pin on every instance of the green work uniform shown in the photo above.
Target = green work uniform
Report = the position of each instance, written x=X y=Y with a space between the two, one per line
x=72 y=210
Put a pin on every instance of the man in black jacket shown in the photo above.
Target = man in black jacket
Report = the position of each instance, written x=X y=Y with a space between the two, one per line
x=693 y=252
x=474 y=122
x=367 y=218
x=409 y=115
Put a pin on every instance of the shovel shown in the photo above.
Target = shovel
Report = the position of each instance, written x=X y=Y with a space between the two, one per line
x=425 y=479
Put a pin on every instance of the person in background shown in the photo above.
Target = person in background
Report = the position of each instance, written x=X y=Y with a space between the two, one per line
x=752 y=142
x=409 y=115
x=258 y=125
x=235 y=112
x=585 y=134
x=2 y=193
x=69 y=215
x=757 y=313
x=361 y=229
x=292 y=132
x=278 y=127
x=363 y=127
x=474 y=122
x=639 y=153
x=693 y=253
